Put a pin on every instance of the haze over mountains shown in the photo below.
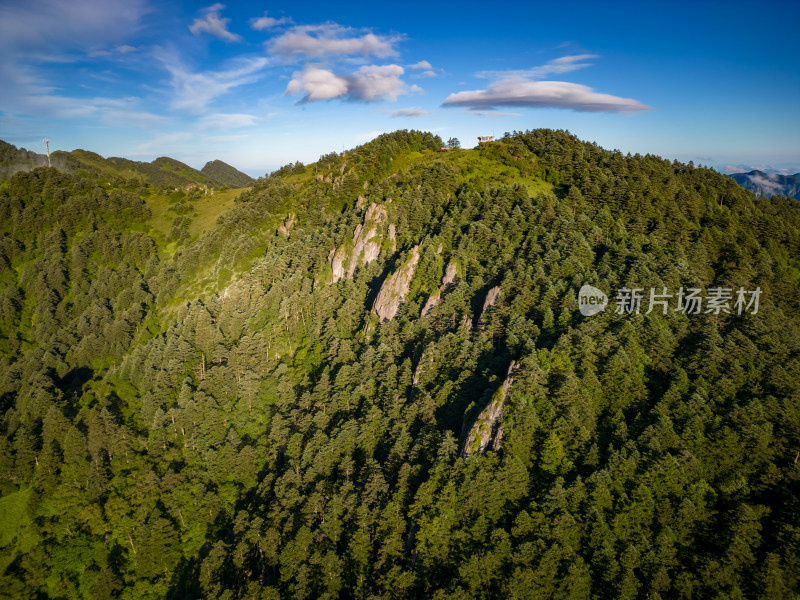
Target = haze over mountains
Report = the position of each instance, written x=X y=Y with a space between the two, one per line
x=369 y=377
x=161 y=172
x=769 y=184
x=165 y=171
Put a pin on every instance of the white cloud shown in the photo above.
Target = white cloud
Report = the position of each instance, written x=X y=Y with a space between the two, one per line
x=19 y=84
x=194 y=91
x=28 y=95
x=328 y=40
x=33 y=32
x=115 y=112
x=122 y=49
x=770 y=169
x=542 y=94
x=214 y=24
x=768 y=182
x=732 y=169
x=522 y=88
x=318 y=84
x=409 y=113
x=265 y=22
x=62 y=107
x=565 y=64
x=226 y=121
x=491 y=113
x=373 y=81
x=424 y=69
x=368 y=83
x=39 y=25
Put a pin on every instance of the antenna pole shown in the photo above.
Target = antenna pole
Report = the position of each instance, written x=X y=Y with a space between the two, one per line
x=47 y=144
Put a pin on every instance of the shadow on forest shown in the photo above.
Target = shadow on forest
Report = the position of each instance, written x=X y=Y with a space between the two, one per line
x=72 y=383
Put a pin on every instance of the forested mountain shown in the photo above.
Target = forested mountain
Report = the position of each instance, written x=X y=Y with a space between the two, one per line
x=224 y=174
x=370 y=378
x=162 y=173
x=769 y=184
x=13 y=159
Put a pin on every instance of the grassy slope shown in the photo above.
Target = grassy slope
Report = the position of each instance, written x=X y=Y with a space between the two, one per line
x=471 y=163
x=130 y=169
x=177 y=167
x=102 y=165
x=476 y=163
x=208 y=209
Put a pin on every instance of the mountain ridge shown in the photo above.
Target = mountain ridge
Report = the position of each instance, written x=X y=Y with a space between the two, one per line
x=369 y=377
x=769 y=184
x=161 y=172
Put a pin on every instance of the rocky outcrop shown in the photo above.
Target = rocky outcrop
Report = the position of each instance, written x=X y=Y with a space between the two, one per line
x=488 y=427
x=286 y=228
x=432 y=301
x=396 y=287
x=425 y=362
x=366 y=245
x=436 y=297
x=449 y=274
x=491 y=298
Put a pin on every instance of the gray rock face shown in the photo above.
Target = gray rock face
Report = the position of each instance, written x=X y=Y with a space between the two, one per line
x=395 y=287
x=436 y=297
x=449 y=274
x=432 y=301
x=488 y=427
x=366 y=247
x=491 y=298
x=286 y=228
x=422 y=367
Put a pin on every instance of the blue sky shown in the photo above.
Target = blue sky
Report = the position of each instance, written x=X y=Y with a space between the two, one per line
x=260 y=84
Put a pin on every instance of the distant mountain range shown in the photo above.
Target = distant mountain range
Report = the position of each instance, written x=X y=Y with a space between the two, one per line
x=769 y=184
x=162 y=172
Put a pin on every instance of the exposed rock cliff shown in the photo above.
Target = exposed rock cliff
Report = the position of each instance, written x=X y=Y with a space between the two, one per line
x=491 y=298
x=395 y=287
x=432 y=301
x=449 y=274
x=435 y=298
x=286 y=228
x=366 y=246
x=488 y=427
